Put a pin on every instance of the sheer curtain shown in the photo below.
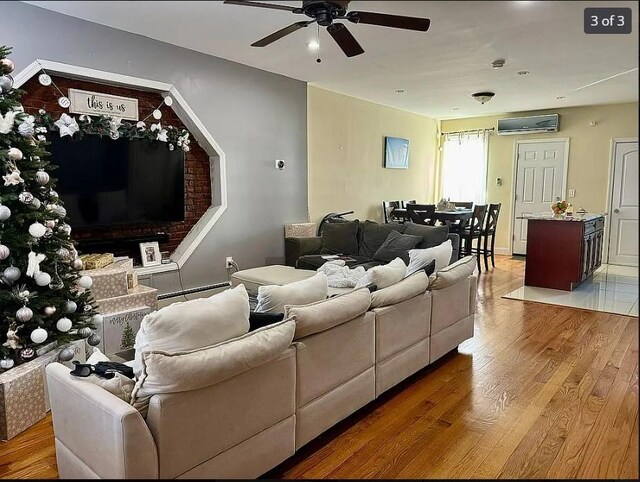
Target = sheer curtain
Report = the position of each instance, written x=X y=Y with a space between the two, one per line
x=464 y=166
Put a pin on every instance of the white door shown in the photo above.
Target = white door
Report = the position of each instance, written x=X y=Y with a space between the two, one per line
x=540 y=170
x=623 y=215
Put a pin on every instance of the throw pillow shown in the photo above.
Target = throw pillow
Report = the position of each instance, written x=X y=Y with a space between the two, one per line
x=120 y=385
x=454 y=273
x=401 y=291
x=259 y=320
x=396 y=246
x=431 y=235
x=373 y=235
x=189 y=325
x=191 y=370
x=340 y=238
x=272 y=298
x=385 y=275
x=430 y=268
x=420 y=258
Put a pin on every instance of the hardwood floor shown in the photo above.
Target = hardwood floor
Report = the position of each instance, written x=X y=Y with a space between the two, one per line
x=540 y=391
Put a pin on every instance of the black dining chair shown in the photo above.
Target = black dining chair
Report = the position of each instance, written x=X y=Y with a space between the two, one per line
x=473 y=230
x=404 y=203
x=489 y=230
x=422 y=213
x=463 y=204
x=387 y=210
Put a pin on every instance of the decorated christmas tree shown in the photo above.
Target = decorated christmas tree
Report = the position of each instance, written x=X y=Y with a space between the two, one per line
x=43 y=297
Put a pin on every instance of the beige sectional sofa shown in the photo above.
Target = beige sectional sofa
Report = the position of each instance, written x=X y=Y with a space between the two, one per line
x=346 y=351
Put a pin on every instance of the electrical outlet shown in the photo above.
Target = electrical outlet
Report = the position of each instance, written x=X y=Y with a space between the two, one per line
x=572 y=193
x=228 y=262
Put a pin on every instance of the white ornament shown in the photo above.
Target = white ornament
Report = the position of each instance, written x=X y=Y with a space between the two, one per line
x=77 y=264
x=39 y=335
x=43 y=279
x=27 y=127
x=24 y=314
x=63 y=253
x=157 y=115
x=53 y=193
x=4 y=252
x=67 y=125
x=42 y=177
x=44 y=79
x=66 y=354
x=97 y=319
x=6 y=122
x=49 y=310
x=8 y=65
x=64 y=325
x=65 y=228
x=85 y=282
x=13 y=178
x=141 y=125
x=12 y=273
x=35 y=204
x=6 y=83
x=33 y=268
x=5 y=213
x=168 y=101
x=25 y=197
x=70 y=307
x=15 y=154
x=37 y=230
x=64 y=102
x=6 y=363
x=50 y=223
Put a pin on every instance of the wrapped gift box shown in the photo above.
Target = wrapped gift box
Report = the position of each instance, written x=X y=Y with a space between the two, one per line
x=22 y=398
x=96 y=261
x=138 y=297
x=118 y=330
x=111 y=281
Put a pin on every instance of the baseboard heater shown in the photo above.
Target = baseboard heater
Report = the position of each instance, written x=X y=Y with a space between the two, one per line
x=191 y=291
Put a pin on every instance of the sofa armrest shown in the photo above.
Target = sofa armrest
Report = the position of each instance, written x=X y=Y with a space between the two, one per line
x=455 y=242
x=100 y=433
x=296 y=247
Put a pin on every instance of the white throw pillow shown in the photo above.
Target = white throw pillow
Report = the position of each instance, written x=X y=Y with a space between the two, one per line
x=452 y=274
x=385 y=275
x=272 y=298
x=120 y=385
x=189 y=325
x=419 y=258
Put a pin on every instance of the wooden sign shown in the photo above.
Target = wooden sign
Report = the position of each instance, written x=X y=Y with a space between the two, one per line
x=95 y=103
x=119 y=329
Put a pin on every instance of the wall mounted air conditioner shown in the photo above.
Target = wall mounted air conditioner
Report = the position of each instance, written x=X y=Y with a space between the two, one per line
x=528 y=125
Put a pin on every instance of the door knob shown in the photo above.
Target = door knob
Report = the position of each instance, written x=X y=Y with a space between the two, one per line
x=616 y=211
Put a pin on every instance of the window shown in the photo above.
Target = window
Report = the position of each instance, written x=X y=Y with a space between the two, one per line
x=464 y=166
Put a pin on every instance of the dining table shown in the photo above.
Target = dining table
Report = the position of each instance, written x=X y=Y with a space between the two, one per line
x=451 y=218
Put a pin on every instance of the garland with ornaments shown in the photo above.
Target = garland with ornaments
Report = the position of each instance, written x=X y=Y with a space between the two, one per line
x=43 y=296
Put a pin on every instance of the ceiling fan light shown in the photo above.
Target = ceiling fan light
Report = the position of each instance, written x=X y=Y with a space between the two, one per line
x=483 y=97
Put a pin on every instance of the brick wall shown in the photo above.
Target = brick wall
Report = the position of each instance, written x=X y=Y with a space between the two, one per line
x=196 y=177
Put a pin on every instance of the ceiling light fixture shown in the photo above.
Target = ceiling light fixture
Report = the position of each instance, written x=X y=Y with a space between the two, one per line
x=497 y=64
x=560 y=97
x=399 y=91
x=483 y=97
x=456 y=108
x=313 y=45
x=522 y=72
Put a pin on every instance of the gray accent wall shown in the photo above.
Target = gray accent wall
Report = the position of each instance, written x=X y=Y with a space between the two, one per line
x=255 y=117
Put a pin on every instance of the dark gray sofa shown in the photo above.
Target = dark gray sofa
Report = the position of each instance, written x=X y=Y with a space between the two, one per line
x=304 y=253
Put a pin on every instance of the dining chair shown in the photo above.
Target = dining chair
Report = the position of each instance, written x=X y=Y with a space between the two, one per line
x=387 y=210
x=473 y=230
x=489 y=230
x=463 y=204
x=404 y=203
x=422 y=213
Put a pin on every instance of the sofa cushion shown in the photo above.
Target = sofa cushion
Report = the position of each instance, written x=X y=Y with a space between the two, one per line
x=420 y=258
x=273 y=298
x=385 y=275
x=453 y=273
x=120 y=385
x=322 y=315
x=401 y=291
x=396 y=246
x=189 y=325
x=340 y=237
x=253 y=278
x=183 y=371
x=314 y=261
x=373 y=234
x=431 y=235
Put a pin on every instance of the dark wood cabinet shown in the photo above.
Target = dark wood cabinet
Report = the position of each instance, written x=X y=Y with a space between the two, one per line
x=561 y=254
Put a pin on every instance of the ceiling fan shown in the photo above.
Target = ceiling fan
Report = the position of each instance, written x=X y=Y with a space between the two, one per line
x=326 y=12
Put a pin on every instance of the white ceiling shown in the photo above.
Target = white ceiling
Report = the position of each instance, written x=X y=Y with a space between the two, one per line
x=438 y=69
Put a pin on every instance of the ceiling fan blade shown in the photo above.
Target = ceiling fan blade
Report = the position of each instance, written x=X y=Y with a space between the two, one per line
x=395 y=21
x=345 y=40
x=281 y=33
x=263 y=5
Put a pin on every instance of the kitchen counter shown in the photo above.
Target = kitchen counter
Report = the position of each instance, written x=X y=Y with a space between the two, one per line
x=575 y=217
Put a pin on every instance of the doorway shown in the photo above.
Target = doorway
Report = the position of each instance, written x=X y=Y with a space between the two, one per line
x=623 y=204
x=540 y=178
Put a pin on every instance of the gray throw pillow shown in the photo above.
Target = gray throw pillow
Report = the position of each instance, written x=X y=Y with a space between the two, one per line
x=373 y=235
x=431 y=235
x=340 y=238
x=396 y=246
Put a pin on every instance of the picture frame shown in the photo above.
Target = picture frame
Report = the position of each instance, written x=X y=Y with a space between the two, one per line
x=150 y=254
x=396 y=153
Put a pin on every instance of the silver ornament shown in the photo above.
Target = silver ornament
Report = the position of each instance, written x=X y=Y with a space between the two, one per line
x=15 y=154
x=63 y=253
x=53 y=193
x=56 y=283
x=6 y=363
x=7 y=65
x=26 y=129
x=50 y=223
x=24 y=314
x=27 y=353
x=49 y=310
x=43 y=279
x=97 y=319
x=6 y=83
x=84 y=332
x=39 y=335
x=25 y=197
x=4 y=252
x=94 y=340
x=87 y=308
x=5 y=213
x=66 y=354
x=70 y=307
x=42 y=177
x=44 y=79
x=11 y=274
x=35 y=204
x=48 y=233
x=77 y=264
x=65 y=228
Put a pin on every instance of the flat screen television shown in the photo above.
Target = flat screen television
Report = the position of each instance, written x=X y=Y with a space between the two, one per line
x=106 y=182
